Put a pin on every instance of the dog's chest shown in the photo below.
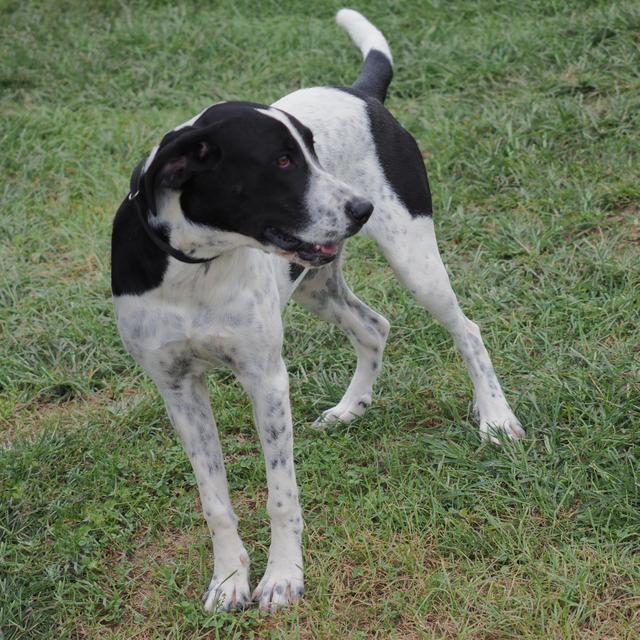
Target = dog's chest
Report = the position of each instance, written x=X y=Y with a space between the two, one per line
x=201 y=318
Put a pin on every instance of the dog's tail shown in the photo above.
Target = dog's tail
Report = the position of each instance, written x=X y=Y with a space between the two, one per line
x=377 y=70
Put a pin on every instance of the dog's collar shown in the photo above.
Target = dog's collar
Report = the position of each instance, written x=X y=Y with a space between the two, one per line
x=157 y=240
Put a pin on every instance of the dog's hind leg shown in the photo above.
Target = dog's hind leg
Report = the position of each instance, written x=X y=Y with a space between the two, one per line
x=325 y=293
x=409 y=243
x=188 y=406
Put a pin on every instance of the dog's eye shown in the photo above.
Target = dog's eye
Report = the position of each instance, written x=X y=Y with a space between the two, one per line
x=283 y=161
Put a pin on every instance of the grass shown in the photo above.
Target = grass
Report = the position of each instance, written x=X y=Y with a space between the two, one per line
x=528 y=115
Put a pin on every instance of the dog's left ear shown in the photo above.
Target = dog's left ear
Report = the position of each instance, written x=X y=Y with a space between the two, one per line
x=181 y=155
x=202 y=155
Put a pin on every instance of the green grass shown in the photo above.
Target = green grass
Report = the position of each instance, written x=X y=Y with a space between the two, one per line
x=528 y=114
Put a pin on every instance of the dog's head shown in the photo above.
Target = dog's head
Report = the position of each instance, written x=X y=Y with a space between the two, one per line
x=248 y=174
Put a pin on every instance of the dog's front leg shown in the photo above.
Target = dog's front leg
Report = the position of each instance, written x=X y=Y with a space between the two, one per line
x=282 y=582
x=188 y=406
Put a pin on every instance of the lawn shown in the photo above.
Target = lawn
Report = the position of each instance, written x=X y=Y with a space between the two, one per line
x=528 y=115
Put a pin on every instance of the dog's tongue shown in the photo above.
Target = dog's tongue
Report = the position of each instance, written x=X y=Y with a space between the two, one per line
x=327 y=249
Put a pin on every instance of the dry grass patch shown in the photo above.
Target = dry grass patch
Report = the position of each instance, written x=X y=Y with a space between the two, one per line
x=27 y=420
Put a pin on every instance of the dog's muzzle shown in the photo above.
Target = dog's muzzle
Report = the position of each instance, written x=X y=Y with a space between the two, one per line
x=358 y=210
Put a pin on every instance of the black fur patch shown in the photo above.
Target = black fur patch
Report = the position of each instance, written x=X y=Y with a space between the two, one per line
x=399 y=157
x=137 y=265
x=237 y=186
x=375 y=76
x=246 y=191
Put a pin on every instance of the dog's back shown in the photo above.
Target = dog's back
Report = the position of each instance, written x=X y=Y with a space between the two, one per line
x=356 y=136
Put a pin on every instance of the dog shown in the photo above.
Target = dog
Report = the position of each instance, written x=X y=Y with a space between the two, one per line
x=234 y=212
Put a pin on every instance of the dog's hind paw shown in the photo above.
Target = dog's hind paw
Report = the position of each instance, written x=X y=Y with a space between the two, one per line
x=227 y=594
x=343 y=412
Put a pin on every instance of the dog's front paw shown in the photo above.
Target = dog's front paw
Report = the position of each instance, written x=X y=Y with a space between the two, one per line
x=345 y=411
x=279 y=588
x=228 y=593
x=498 y=429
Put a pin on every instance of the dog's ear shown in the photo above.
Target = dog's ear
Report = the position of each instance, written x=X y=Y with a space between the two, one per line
x=201 y=155
x=181 y=155
x=136 y=178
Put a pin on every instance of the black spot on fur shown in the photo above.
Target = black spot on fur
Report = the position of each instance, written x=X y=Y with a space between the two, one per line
x=295 y=271
x=179 y=368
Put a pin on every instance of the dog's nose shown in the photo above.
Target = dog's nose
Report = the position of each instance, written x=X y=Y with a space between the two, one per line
x=359 y=210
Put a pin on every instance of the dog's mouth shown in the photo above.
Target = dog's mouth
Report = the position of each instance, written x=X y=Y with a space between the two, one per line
x=306 y=252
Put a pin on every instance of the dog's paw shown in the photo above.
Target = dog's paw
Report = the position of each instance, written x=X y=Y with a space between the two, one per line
x=345 y=411
x=279 y=588
x=498 y=430
x=229 y=593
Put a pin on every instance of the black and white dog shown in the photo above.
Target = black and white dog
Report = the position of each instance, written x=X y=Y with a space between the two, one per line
x=233 y=213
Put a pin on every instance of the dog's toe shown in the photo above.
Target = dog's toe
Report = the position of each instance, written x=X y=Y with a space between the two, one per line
x=497 y=431
x=231 y=594
x=277 y=590
x=345 y=411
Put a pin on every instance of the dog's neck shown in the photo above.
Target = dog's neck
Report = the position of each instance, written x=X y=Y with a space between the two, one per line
x=194 y=240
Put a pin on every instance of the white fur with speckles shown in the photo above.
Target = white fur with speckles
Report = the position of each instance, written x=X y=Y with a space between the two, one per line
x=342 y=134
x=226 y=313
